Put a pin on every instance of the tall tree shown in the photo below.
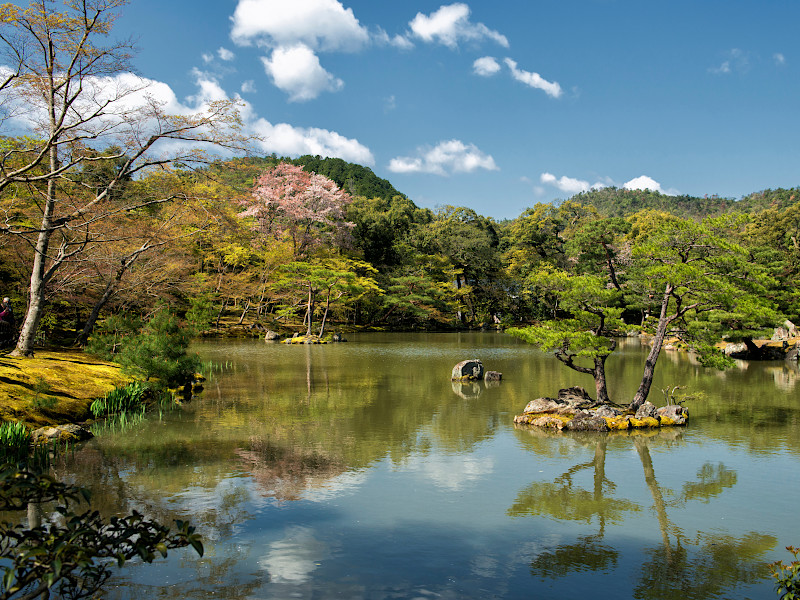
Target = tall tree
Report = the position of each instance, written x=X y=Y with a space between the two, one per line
x=76 y=93
x=699 y=284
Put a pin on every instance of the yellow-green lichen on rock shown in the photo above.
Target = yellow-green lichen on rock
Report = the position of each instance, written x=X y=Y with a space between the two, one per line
x=574 y=410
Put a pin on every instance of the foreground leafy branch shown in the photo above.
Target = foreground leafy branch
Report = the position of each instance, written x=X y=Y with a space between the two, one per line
x=73 y=553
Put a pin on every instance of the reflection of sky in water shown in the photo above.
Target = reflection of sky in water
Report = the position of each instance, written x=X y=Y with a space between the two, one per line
x=450 y=471
x=293 y=558
x=424 y=508
x=346 y=483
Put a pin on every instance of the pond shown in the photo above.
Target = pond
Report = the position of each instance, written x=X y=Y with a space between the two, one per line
x=358 y=470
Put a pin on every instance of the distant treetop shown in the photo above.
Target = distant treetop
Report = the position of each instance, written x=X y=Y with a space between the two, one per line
x=355 y=179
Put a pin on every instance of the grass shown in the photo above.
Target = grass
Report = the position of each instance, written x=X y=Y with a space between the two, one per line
x=54 y=387
x=126 y=399
x=15 y=442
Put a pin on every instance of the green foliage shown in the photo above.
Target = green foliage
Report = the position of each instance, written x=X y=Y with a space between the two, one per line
x=201 y=313
x=72 y=555
x=125 y=399
x=381 y=227
x=112 y=334
x=15 y=442
x=787 y=576
x=619 y=202
x=355 y=179
x=159 y=350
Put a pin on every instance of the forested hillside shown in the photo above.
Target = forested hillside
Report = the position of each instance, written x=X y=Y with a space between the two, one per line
x=311 y=243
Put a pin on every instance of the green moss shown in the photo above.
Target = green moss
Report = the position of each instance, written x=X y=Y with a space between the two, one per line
x=72 y=380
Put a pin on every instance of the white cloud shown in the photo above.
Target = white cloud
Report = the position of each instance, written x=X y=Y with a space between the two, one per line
x=779 y=58
x=643 y=182
x=288 y=140
x=534 y=80
x=225 y=54
x=207 y=58
x=380 y=36
x=453 y=156
x=296 y=71
x=248 y=87
x=319 y=24
x=569 y=185
x=133 y=92
x=450 y=24
x=485 y=66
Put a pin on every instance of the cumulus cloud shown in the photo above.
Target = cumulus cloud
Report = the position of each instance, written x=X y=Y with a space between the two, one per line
x=643 y=182
x=130 y=92
x=453 y=156
x=225 y=54
x=296 y=32
x=296 y=70
x=451 y=24
x=534 y=80
x=569 y=185
x=323 y=25
x=248 y=87
x=779 y=58
x=288 y=140
x=486 y=66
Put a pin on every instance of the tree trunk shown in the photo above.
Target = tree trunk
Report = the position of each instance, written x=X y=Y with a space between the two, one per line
x=221 y=310
x=244 y=312
x=325 y=314
x=310 y=310
x=655 y=350
x=600 y=379
x=33 y=315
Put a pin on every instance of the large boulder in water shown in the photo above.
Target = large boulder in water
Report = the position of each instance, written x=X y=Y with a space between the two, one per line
x=469 y=370
x=672 y=414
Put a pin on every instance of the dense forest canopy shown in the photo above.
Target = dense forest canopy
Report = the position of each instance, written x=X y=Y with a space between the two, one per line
x=235 y=235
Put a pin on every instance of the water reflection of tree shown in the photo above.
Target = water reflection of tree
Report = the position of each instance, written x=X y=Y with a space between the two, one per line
x=285 y=473
x=680 y=567
x=564 y=500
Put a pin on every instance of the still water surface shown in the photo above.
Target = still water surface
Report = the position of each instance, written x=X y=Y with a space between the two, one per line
x=359 y=470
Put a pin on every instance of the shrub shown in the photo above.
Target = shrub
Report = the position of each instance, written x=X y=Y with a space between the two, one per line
x=788 y=576
x=112 y=335
x=72 y=556
x=159 y=351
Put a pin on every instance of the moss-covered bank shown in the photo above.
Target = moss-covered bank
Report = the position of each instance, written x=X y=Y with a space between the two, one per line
x=54 y=387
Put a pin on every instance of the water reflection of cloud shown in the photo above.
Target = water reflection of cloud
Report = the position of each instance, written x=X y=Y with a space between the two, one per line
x=451 y=471
x=295 y=557
x=346 y=483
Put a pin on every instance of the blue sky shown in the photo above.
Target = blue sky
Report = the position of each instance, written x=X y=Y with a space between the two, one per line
x=499 y=105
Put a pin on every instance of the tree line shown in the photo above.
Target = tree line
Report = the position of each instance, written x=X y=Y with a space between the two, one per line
x=110 y=205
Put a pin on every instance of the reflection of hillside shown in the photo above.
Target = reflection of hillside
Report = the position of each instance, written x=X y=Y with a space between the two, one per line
x=285 y=473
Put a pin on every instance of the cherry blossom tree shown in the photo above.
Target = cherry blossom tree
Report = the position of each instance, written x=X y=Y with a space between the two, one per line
x=307 y=207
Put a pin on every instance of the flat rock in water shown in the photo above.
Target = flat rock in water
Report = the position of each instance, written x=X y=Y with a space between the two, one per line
x=62 y=433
